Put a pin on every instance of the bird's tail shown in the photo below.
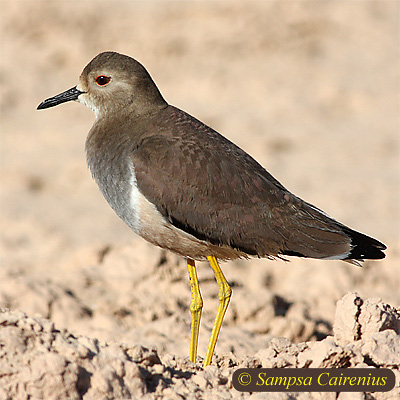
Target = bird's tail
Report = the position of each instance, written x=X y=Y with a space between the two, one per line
x=363 y=247
x=316 y=235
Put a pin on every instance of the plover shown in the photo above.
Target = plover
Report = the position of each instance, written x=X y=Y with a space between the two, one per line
x=184 y=187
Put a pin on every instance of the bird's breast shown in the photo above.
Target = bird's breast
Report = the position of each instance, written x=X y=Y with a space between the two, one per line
x=119 y=186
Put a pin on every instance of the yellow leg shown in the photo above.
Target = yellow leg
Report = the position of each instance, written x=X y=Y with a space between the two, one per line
x=224 y=295
x=196 y=306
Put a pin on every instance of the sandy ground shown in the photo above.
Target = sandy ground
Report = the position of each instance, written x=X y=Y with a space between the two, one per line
x=91 y=311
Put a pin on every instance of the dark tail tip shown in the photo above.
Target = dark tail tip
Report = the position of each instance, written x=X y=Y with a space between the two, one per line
x=364 y=247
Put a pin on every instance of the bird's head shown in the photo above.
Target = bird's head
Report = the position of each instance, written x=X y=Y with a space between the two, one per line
x=111 y=83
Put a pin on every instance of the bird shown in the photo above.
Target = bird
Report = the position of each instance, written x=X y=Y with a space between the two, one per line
x=184 y=187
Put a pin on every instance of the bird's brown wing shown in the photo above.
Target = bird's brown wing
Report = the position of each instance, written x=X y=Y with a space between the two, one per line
x=205 y=185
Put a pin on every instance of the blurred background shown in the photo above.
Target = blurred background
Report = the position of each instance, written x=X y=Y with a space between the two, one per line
x=309 y=89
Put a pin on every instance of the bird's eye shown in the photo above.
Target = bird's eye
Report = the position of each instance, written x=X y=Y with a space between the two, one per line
x=102 y=80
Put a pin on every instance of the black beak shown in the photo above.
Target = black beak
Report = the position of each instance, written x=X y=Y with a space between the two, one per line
x=68 y=95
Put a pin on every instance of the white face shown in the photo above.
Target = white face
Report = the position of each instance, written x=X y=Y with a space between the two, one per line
x=89 y=85
x=85 y=99
x=103 y=91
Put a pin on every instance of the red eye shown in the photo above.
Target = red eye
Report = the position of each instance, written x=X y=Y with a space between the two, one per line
x=102 y=80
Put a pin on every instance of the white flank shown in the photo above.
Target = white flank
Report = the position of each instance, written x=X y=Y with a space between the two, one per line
x=134 y=220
